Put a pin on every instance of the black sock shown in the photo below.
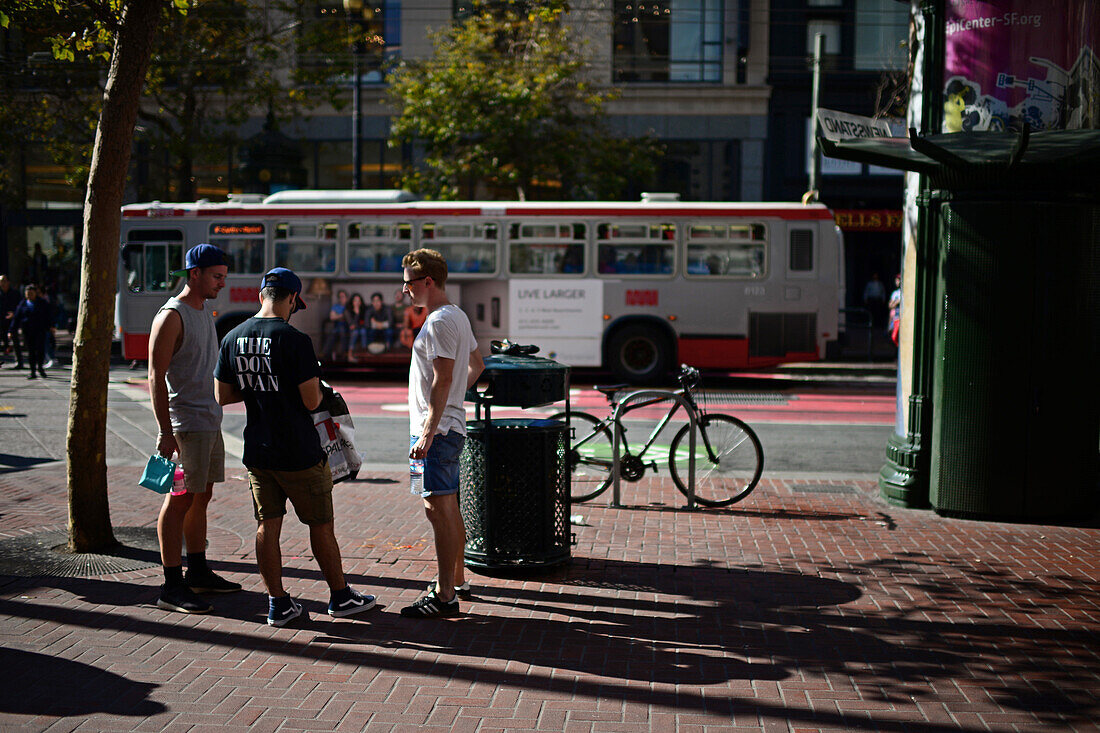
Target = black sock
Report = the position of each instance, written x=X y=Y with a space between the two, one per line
x=340 y=595
x=173 y=576
x=196 y=562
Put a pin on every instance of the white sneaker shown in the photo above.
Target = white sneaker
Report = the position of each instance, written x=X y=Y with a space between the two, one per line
x=48 y=364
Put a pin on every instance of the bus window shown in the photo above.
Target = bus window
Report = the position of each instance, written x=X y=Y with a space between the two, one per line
x=306 y=247
x=468 y=248
x=727 y=250
x=376 y=247
x=244 y=243
x=635 y=249
x=546 y=249
x=801 y=254
x=149 y=256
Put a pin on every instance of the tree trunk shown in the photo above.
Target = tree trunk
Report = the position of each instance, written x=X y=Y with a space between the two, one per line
x=89 y=513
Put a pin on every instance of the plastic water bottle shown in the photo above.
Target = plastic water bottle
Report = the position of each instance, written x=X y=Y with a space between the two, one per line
x=178 y=487
x=416 y=476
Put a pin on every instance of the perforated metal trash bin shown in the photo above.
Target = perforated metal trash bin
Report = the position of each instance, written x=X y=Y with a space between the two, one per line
x=515 y=493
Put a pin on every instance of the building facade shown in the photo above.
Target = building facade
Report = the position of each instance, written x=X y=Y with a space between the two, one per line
x=864 y=72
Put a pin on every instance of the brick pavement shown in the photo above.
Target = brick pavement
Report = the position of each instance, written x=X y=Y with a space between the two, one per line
x=812 y=606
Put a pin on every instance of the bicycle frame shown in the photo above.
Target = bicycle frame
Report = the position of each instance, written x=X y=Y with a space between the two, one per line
x=657 y=395
x=615 y=424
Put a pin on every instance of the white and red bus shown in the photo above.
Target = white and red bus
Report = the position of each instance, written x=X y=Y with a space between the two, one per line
x=634 y=287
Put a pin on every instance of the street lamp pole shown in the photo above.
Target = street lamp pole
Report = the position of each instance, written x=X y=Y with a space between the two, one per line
x=355 y=7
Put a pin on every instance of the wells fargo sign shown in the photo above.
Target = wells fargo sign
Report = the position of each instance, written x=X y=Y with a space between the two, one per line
x=868 y=220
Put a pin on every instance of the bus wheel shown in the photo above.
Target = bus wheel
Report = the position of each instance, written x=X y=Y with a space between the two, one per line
x=639 y=354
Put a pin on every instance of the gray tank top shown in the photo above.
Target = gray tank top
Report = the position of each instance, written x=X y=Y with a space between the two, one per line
x=191 y=402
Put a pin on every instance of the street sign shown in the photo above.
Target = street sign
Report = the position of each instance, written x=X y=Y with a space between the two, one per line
x=837 y=126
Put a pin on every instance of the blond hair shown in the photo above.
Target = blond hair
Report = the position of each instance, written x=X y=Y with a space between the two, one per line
x=427 y=262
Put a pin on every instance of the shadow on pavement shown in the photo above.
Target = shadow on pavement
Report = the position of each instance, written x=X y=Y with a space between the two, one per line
x=647 y=633
x=40 y=684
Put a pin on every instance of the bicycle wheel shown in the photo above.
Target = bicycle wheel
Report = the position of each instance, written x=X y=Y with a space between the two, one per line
x=739 y=460
x=589 y=456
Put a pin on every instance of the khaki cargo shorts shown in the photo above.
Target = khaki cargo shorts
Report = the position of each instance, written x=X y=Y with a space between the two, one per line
x=202 y=455
x=309 y=491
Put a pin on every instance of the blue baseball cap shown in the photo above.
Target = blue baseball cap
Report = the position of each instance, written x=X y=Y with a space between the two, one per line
x=281 y=277
x=202 y=255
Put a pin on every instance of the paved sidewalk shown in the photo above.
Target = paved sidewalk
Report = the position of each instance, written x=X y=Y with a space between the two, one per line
x=812 y=606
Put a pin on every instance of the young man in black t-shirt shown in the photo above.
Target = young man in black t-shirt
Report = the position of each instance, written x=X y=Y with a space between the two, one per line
x=270 y=365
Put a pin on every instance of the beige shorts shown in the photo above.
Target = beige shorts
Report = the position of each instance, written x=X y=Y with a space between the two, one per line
x=309 y=491
x=202 y=455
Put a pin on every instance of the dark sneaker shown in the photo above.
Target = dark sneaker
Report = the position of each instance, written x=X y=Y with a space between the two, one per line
x=281 y=611
x=208 y=582
x=431 y=607
x=462 y=591
x=183 y=599
x=350 y=602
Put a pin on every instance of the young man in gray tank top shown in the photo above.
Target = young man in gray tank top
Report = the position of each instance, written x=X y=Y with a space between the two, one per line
x=183 y=349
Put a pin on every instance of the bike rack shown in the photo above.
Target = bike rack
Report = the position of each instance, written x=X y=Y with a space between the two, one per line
x=622 y=409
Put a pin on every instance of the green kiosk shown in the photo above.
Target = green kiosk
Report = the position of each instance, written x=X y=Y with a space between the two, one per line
x=1009 y=246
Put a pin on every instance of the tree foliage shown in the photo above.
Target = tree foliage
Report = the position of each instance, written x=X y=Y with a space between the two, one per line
x=227 y=60
x=214 y=65
x=505 y=107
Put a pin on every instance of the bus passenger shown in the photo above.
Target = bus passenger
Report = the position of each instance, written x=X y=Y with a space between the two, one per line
x=356 y=317
x=380 y=322
x=336 y=342
x=445 y=363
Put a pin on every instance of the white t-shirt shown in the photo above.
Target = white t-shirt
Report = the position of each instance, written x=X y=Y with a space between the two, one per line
x=445 y=333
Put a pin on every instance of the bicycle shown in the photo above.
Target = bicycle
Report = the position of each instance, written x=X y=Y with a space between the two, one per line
x=728 y=456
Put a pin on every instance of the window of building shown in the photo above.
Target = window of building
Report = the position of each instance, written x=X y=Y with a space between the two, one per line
x=668 y=40
x=726 y=250
x=244 y=243
x=540 y=248
x=831 y=29
x=882 y=34
x=306 y=247
x=377 y=247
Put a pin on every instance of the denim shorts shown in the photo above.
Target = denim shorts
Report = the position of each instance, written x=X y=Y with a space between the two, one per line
x=441 y=463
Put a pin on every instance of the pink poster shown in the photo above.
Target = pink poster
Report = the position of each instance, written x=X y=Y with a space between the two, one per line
x=1014 y=61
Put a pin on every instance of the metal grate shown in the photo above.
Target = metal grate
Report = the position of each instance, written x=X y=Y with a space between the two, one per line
x=825 y=489
x=45 y=554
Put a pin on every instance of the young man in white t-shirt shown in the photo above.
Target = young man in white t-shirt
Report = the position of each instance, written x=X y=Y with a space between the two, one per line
x=445 y=363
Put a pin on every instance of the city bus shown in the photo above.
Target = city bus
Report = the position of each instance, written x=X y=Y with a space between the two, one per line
x=632 y=287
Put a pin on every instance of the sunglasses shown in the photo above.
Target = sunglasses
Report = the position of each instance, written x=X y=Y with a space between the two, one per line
x=410 y=282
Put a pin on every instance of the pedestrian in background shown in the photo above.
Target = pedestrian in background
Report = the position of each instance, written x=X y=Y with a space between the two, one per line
x=9 y=301
x=874 y=300
x=34 y=319
x=270 y=366
x=183 y=348
x=894 y=325
x=445 y=363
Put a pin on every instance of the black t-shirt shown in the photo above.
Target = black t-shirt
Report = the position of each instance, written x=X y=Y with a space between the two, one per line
x=266 y=359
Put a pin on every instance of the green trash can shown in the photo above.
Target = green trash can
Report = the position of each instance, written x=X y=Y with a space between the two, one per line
x=514 y=494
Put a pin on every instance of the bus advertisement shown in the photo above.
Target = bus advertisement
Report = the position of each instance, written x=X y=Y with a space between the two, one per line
x=633 y=287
